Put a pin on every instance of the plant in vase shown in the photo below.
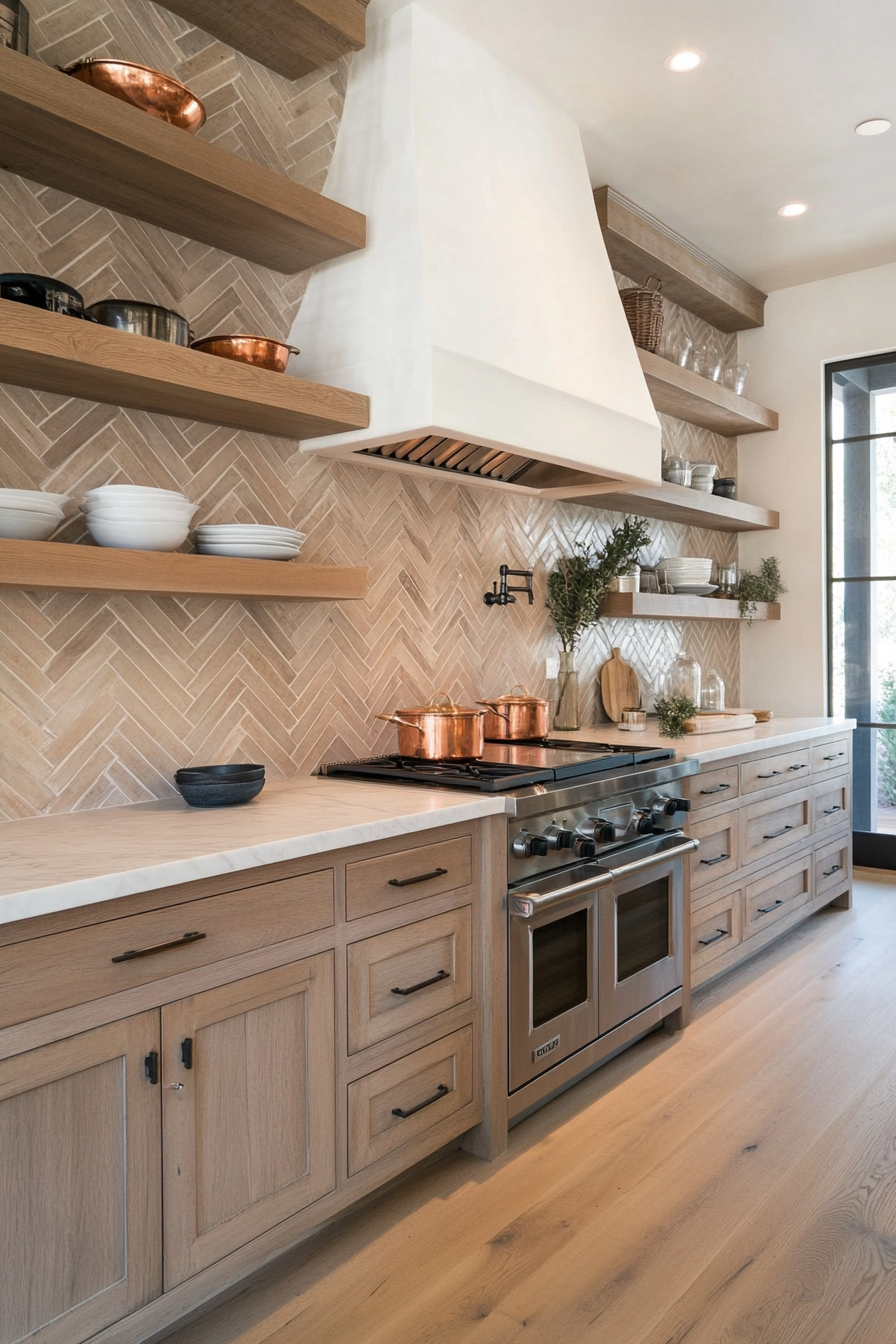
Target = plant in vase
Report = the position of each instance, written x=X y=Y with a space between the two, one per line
x=576 y=591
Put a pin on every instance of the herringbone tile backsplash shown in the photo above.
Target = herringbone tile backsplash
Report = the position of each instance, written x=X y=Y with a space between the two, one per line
x=102 y=698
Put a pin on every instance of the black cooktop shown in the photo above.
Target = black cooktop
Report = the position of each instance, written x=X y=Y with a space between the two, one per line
x=502 y=766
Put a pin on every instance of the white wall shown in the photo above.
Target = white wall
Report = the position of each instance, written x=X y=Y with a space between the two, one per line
x=783 y=665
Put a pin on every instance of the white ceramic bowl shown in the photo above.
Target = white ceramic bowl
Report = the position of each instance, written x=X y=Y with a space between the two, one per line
x=38 y=500
x=22 y=525
x=127 y=534
x=146 y=513
x=132 y=491
x=248 y=550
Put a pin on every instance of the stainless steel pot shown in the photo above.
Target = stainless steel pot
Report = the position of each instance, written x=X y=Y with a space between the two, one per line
x=142 y=319
x=441 y=731
x=41 y=291
x=516 y=717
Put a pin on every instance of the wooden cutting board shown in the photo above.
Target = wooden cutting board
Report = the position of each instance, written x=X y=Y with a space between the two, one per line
x=719 y=723
x=760 y=715
x=619 y=687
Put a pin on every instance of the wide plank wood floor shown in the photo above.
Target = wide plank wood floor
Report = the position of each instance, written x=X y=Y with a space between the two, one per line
x=734 y=1184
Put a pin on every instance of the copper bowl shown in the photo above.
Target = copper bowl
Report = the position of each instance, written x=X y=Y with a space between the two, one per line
x=261 y=351
x=143 y=87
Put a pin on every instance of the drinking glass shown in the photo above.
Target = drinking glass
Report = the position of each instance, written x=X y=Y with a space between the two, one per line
x=735 y=377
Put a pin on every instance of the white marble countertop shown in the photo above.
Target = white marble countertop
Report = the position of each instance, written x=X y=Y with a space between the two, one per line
x=707 y=747
x=80 y=858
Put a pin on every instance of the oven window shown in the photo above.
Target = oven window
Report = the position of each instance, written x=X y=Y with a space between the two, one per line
x=560 y=955
x=642 y=928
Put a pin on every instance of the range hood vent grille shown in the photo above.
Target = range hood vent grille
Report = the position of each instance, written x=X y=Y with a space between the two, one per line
x=445 y=454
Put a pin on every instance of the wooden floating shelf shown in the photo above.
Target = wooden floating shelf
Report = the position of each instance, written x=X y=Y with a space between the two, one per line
x=679 y=504
x=684 y=394
x=67 y=135
x=682 y=607
x=78 y=359
x=640 y=245
x=61 y=567
x=292 y=37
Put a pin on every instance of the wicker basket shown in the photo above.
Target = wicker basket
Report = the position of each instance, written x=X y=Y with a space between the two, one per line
x=643 y=306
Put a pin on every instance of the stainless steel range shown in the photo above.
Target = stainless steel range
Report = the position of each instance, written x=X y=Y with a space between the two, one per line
x=594 y=898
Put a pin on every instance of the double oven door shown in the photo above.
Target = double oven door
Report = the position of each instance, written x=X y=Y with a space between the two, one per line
x=589 y=949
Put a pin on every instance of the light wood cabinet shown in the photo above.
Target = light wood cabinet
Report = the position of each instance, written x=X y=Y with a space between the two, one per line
x=80 y=1189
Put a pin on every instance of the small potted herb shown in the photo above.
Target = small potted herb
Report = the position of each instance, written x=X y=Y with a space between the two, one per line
x=671 y=712
x=765 y=586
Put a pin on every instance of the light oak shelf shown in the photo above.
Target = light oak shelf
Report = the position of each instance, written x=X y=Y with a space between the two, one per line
x=681 y=607
x=640 y=245
x=679 y=504
x=78 y=359
x=292 y=37
x=62 y=567
x=67 y=135
x=687 y=396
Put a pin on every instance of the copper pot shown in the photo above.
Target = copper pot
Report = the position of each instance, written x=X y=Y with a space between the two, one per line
x=516 y=718
x=261 y=351
x=142 y=87
x=442 y=731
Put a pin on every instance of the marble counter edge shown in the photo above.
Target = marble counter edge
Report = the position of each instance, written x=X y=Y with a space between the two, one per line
x=711 y=747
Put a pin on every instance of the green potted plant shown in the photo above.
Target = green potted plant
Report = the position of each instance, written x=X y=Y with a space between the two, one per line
x=764 y=586
x=577 y=588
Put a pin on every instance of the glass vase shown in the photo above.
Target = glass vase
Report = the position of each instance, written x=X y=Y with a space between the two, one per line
x=566 y=718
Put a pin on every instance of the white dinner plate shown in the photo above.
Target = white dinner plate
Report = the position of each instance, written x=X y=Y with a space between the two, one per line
x=248 y=550
x=696 y=589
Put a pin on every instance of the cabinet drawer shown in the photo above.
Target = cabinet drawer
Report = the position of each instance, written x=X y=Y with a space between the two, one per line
x=772 y=897
x=719 y=850
x=63 y=969
x=832 y=867
x=770 y=771
x=830 y=804
x=408 y=975
x=391 y=1107
x=769 y=826
x=717 y=928
x=407 y=875
x=827 y=757
x=711 y=787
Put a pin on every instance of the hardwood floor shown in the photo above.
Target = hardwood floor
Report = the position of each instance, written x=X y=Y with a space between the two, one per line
x=734 y=1183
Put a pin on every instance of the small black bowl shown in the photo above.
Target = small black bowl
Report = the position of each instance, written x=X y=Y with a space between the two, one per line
x=219 y=773
x=223 y=793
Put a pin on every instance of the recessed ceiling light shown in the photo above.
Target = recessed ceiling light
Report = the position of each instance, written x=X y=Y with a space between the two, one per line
x=789 y=211
x=874 y=126
x=682 y=61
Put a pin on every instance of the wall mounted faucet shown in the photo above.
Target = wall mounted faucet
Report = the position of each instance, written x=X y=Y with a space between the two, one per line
x=502 y=596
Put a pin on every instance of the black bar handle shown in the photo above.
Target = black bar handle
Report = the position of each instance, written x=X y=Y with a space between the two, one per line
x=721 y=859
x=720 y=788
x=442 y=1091
x=160 y=947
x=421 y=877
x=829 y=811
x=765 y=909
x=774 y=834
x=721 y=933
x=771 y=776
x=831 y=871
x=834 y=757
x=797 y=767
x=424 y=984
x=186 y=1052
x=151 y=1066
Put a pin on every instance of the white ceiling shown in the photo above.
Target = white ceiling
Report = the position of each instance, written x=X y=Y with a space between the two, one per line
x=768 y=118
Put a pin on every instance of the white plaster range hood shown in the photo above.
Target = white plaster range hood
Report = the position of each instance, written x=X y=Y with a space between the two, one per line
x=482 y=319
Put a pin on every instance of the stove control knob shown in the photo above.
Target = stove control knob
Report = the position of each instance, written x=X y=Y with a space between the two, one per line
x=674 y=805
x=583 y=849
x=647 y=819
x=598 y=829
x=526 y=845
x=557 y=837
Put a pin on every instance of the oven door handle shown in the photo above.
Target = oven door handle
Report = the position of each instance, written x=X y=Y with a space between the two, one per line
x=527 y=904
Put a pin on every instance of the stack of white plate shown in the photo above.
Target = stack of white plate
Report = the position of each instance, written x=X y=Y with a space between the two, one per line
x=138 y=517
x=30 y=515
x=253 y=541
x=687 y=574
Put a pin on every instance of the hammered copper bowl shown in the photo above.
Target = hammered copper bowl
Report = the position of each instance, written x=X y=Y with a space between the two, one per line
x=261 y=351
x=143 y=87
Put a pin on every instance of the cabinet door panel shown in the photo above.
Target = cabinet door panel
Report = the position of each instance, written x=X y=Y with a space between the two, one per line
x=249 y=1125
x=80 y=1184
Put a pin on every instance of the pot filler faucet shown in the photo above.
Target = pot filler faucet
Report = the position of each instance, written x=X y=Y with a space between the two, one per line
x=503 y=596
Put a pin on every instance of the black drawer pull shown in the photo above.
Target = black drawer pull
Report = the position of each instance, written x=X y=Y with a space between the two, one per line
x=797 y=767
x=719 y=788
x=834 y=757
x=705 y=942
x=774 y=834
x=829 y=811
x=186 y=1052
x=771 y=776
x=421 y=877
x=424 y=984
x=160 y=947
x=721 y=859
x=831 y=871
x=442 y=1091
x=766 y=909
x=151 y=1066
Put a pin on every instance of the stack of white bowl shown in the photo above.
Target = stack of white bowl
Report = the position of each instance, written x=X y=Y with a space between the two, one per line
x=687 y=574
x=30 y=515
x=138 y=517
x=253 y=541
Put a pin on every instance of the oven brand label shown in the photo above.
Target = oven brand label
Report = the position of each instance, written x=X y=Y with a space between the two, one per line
x=546 y=1049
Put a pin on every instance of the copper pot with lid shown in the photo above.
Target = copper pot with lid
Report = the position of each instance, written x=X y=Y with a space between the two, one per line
x=442 y=731
x=516 y=717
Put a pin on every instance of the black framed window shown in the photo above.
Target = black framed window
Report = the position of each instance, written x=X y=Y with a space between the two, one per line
x=861 y=587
